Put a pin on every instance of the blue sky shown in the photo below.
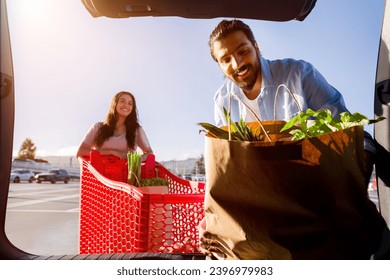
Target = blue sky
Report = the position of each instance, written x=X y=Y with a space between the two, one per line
x=68 y=65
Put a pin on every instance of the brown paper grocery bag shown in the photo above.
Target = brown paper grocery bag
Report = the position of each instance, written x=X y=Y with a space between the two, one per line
x=288 y=199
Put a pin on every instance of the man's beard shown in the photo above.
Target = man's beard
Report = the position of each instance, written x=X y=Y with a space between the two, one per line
x=249 y=82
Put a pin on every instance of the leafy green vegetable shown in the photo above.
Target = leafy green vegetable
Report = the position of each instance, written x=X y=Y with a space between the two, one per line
x=154 y=182
x=214 y=130
x=305 y=125
x=134 y=167
x=134 y=177
x=314 y=123
x=239 y=130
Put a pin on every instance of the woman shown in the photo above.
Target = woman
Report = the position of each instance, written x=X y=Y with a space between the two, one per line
x=120 y=133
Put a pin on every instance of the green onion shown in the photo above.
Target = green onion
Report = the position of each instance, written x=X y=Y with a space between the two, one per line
x=134 y=167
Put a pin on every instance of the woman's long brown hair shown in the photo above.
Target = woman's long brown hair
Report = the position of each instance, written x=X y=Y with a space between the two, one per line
x=108 y=128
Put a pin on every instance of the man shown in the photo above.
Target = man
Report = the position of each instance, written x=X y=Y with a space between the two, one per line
x=277 y=89
x=256 y=81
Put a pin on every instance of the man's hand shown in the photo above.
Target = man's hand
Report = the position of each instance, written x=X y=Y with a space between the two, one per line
x=208 y=242
x=209 y=245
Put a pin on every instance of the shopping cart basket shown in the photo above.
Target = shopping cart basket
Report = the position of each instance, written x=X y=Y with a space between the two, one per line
x=116 y=217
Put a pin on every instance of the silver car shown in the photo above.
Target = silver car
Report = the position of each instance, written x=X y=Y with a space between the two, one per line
x=18 y=175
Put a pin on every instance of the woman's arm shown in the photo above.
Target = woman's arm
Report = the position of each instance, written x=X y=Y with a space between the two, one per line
x=85 y=149
x=143 y=143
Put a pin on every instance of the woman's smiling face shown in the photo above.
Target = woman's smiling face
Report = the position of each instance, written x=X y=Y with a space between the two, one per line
x=124 y=107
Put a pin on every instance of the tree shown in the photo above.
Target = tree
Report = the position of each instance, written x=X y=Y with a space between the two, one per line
x=199 y=166
x=27 y=150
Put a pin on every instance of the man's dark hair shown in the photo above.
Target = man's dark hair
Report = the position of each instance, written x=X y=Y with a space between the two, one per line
x=226 y=27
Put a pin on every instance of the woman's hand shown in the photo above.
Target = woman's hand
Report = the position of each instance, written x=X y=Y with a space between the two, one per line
x=122 y=155
x=145 y=155
x=118 y=153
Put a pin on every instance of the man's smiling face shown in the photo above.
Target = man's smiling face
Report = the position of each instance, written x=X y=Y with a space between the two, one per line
x=238 y=59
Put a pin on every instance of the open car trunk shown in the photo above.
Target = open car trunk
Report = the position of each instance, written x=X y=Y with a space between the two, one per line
x=277 y=10
x=273 y=10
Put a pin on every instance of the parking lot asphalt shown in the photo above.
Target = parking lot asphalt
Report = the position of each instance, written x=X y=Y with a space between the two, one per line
x=43 y=219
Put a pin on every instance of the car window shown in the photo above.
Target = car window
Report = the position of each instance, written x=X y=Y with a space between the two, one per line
x=68 y=65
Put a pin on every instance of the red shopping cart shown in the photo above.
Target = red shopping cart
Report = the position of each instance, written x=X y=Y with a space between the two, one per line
x=116 y=217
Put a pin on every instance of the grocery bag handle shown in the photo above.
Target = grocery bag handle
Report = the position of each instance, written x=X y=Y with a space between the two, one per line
x=292 y=95
x=250 y=110
x=254 y=114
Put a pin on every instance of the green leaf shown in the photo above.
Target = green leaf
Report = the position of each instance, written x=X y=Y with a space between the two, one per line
x=376 y=120
x=297 y=134
x=291 y=123
x=345 y=117
x=215 y=131
x=227 y=118
x=310 y=113
x=358 y=118
x=238 y=131
x=322 y=122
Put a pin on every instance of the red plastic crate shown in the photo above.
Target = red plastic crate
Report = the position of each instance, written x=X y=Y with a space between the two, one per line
x=116 y=217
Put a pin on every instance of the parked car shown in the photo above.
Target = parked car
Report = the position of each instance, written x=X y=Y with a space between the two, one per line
x=187 y=176
x=199 y=178
x=53 y=176
x=19 y=175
